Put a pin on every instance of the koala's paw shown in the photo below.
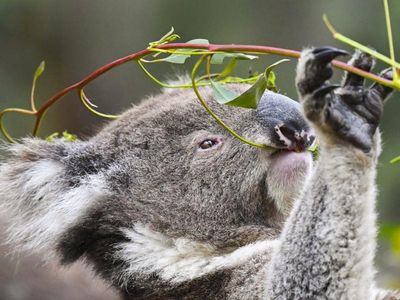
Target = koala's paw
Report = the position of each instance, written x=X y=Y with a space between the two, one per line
x=348 y=112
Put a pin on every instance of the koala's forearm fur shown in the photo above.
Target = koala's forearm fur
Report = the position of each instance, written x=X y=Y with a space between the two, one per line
x=329 y=240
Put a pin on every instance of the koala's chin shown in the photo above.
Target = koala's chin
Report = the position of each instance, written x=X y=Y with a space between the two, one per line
x=287 y=175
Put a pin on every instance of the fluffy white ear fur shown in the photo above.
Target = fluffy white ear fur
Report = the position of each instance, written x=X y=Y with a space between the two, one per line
x=38 y=202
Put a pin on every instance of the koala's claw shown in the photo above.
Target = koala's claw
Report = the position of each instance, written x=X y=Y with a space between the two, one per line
x=314 y=68
x=325 y=89
x=347 y=112
x=327 y=54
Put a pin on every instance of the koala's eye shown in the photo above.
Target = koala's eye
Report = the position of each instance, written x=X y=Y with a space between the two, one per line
x=208 y=144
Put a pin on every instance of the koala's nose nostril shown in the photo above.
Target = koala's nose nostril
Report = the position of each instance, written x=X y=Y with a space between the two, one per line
x=294 y=139
x=284 y=123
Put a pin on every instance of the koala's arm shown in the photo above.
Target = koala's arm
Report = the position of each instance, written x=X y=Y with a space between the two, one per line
x=328 y=243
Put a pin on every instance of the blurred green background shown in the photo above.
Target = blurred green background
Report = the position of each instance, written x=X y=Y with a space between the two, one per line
x=75 y=37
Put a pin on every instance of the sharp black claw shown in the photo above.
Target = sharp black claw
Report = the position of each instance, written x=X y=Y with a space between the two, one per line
x=327 y=54
x=320 y=49
x=325 y=89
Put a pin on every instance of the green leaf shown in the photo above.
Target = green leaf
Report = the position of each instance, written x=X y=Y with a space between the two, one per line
x=198 y=41
x=168 y=34
x=221 y=94
x=251 y=97
x=270 y=75
x=228 y=69
x=395 y=160
x=39 y=71
x=234 y=79
x=69 y=136
x=165 y=39
x=218 y=58
x=52 y=136
x=271 y=79
x=66 y=136
x=176 y=58
x=314 y=149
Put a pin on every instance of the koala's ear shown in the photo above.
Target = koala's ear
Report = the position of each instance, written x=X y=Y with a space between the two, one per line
x=36 y=194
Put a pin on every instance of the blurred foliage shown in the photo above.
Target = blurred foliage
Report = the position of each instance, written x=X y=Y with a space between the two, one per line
x=391 y=232
x=66 y=136
x=77 y=36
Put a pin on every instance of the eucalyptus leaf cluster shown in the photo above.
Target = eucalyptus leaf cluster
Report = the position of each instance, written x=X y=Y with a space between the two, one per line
x=166 y=50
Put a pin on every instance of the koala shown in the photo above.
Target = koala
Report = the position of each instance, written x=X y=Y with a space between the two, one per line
x=164 y=203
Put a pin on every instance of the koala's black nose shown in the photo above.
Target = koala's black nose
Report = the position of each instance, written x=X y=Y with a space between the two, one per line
x=284 y=123
x=293 y=138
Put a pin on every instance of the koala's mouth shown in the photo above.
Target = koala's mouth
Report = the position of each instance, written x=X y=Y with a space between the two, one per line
x=285 y=150
x=286 y=160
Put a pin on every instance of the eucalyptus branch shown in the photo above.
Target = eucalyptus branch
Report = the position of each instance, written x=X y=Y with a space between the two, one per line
x=395 y=82
x=168 y=48
x=211 y=47
x=357 y=45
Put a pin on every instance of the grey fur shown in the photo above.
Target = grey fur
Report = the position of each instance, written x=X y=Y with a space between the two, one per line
x=160 y=218
x=25 y=278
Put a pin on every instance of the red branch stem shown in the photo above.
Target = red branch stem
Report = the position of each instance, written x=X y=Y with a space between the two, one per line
x=208 y=47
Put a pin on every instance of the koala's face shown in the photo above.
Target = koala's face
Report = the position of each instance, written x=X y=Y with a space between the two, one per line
x=165 y=170
x=168 y=164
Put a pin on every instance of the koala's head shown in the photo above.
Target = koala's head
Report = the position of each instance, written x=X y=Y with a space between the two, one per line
x=164 y=171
